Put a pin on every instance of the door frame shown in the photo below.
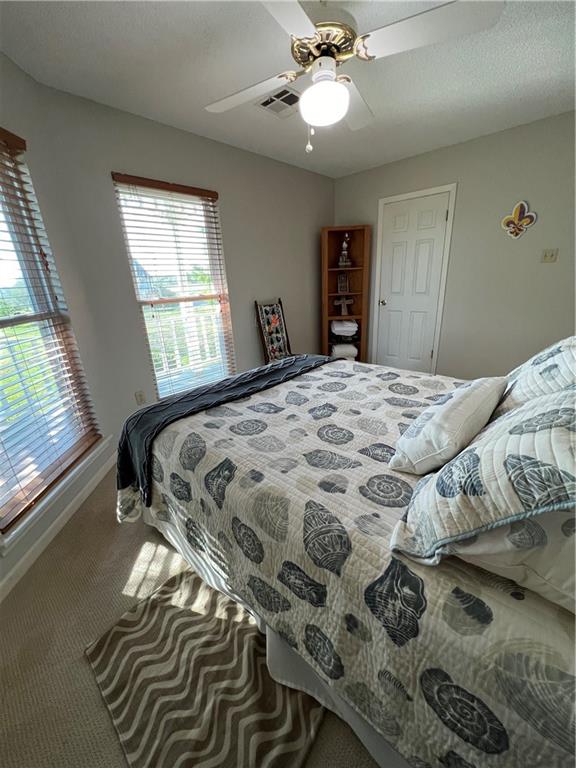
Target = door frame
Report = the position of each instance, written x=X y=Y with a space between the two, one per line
x=382 y=202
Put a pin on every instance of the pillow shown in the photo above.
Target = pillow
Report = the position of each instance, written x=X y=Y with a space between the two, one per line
x=445 y=428
x=536 y=553
x=505 y=503
x=548 y=372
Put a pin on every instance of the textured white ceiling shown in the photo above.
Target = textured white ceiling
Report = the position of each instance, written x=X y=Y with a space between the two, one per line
x=167 y=60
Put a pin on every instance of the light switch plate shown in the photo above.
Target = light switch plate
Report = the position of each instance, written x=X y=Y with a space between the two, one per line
x=140 y=397
x=549 y=256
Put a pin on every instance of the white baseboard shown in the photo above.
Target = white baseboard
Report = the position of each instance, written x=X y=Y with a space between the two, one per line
x=35 y=550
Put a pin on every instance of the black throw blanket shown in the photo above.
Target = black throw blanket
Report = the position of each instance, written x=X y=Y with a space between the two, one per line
x=135 y=447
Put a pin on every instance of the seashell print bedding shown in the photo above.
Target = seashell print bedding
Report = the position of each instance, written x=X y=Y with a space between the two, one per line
x=507 y=503
x=289 y=493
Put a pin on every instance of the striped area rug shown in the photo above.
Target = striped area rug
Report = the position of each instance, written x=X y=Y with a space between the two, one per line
x=184 y=677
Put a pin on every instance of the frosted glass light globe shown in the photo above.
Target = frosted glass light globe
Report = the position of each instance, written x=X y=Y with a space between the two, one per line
x=324 y=103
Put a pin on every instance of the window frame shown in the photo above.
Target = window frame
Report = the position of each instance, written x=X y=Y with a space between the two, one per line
x=223 y=298
x=46 y=309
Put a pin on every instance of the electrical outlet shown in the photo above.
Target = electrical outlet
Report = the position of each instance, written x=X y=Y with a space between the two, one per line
x=140 y=397
x=549 y=256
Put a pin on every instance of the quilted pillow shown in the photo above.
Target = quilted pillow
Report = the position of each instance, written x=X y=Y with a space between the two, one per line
x=548 y=372
x=448 y=426
x=505 y=503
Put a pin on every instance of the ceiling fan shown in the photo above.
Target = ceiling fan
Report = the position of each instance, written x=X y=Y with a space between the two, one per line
x=319 y=49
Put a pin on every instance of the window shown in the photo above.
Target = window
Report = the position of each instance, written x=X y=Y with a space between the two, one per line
x=46 y=418
x=175 y=247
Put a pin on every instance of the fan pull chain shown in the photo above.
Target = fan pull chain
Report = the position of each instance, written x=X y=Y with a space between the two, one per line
x=309 y=146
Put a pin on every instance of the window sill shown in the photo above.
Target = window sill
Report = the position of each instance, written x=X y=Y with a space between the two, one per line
x=15 y=533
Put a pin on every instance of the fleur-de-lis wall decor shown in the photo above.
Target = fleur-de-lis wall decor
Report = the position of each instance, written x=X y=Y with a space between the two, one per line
x=517 y=222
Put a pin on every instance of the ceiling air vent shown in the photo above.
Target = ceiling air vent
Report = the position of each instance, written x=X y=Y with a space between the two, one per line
x=282 y=103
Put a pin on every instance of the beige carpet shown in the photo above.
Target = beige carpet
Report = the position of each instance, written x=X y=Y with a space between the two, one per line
x=52 y=714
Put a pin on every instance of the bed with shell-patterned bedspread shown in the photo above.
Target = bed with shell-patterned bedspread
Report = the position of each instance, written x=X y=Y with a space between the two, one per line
x=288 y=493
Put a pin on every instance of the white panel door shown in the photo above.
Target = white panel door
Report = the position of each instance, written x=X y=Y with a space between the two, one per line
x=412 y=242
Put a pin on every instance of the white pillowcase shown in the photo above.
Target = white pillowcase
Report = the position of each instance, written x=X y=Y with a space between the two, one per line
x=447 y=427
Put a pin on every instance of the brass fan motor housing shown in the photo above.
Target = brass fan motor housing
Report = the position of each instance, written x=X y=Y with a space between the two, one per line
x=332 y=38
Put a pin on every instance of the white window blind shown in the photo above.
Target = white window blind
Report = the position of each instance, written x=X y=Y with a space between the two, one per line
x=46 y=417
x=175 y=248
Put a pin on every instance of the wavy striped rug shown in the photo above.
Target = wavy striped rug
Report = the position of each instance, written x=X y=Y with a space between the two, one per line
x=184 y=677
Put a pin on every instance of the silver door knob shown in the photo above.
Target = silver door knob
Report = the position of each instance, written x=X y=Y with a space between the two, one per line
x=382 y=302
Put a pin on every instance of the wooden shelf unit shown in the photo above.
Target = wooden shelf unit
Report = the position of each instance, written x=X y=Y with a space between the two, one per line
x=358 y=284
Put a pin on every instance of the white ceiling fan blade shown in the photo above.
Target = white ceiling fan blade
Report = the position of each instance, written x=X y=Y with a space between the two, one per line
x=253 y=92
x=292 y=17
x=359 y=113
x=446 y=22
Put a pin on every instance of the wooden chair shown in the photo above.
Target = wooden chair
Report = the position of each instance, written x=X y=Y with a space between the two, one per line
x=273 y=333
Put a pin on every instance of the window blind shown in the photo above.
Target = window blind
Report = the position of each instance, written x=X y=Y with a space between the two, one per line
x=174 y=244
x=46 y=417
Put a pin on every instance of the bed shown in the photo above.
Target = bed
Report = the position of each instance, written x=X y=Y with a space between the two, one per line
x=282 y=497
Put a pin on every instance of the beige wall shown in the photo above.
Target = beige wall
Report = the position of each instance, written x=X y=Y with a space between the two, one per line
x=502 y=304
x=271 y=216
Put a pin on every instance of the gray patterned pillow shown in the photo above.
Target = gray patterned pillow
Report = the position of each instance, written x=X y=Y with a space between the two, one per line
x=550 y=371
x=507 y=502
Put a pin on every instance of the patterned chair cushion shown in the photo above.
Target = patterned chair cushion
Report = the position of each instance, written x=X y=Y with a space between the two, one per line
x=447 y=426
x=507 y=502
x=548 y=372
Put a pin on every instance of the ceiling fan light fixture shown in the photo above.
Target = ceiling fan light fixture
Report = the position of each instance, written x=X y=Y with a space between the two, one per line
x=326 y=101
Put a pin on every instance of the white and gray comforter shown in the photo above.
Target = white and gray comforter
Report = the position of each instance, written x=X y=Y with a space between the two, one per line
x=289 y=494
